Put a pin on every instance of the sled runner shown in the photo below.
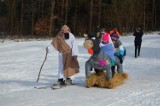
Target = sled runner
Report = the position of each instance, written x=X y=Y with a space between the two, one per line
x=53 y=87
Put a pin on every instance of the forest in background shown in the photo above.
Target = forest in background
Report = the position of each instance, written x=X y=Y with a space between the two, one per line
x=44 y=18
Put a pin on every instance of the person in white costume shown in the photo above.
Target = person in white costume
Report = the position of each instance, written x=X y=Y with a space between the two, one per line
x=66 y=45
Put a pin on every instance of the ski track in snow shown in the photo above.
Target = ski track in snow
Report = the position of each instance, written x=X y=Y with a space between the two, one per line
x=20 y=63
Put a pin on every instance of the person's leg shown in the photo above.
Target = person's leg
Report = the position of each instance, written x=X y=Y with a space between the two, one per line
x=113 y=70
x=112 y=66
x=60 y=70
x=135 y=49
x=119 y=66
x=60 y=66
x=108 y=70
x=87 y=68
x=139 y=49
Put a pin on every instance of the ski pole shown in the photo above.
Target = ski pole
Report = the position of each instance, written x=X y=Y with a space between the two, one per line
x=42 y=66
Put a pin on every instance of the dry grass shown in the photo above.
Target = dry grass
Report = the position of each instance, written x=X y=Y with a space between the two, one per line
x=98 y=80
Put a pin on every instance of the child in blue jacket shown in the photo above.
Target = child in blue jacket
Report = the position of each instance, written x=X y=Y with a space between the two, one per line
x=120 y=53
x=107 y=48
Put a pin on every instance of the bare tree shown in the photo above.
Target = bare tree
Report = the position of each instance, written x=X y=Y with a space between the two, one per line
x=99 y=15
x=13 y=6
x=21 y=26
x=90 y=15
x=62 y=8
x=42 y=7
x=66 y=12
x=144 y=15
x=51 y=18
x=153 y=14
x=33 y=14
x=75 y=17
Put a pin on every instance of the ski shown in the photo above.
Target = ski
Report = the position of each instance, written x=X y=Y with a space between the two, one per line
x=53 y=87
x=42 y=87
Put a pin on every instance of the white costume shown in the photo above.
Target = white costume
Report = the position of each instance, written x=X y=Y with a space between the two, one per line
x=73 y=45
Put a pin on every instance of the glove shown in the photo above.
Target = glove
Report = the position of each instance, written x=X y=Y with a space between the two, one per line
x=120 y=58
x=102 y=63
x=74 y=58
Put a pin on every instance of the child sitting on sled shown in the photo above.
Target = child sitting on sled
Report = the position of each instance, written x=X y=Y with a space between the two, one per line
x=107 y=48
x=120 y=53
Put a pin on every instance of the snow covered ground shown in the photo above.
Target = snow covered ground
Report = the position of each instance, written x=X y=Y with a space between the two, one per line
x=20 y=63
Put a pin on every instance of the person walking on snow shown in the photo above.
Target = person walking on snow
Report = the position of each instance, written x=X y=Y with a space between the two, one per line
x=65 y=43
x=138 y=40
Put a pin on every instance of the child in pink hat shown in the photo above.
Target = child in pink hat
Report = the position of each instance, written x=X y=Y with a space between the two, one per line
x=107 y=48
x=105 y=38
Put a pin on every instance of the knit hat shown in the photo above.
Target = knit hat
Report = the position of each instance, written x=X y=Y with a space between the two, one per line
x=105 y=38
x=114 y=37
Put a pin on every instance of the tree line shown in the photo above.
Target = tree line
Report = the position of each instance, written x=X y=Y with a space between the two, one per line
x=43 y=18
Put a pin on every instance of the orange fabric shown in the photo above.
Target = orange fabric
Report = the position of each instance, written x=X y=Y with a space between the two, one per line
x=112 y=31
x=90 y=51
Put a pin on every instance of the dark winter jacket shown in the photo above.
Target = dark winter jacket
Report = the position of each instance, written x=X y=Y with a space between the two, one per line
x=117 y=43
x=138 y=36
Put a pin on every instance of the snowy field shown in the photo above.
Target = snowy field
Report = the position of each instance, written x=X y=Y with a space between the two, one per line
x=20 y=63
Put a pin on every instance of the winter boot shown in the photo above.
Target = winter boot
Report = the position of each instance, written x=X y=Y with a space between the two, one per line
x=68 y=81
x=60 y=82
x=113 y=70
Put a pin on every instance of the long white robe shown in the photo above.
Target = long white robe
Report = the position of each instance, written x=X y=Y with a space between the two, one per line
x=73 y=45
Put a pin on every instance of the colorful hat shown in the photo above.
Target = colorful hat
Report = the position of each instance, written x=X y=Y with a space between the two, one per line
x=106 y=37
x=114 y=37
